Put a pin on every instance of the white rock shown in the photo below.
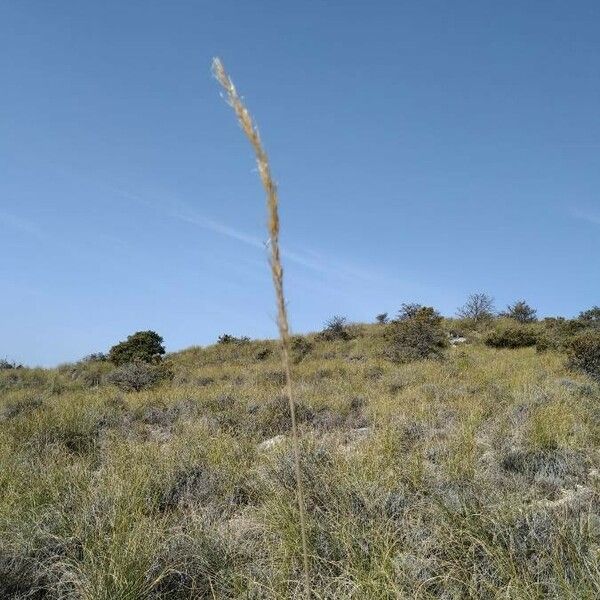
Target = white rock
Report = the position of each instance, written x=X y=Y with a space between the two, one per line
x=361 y=432
x=272 y=442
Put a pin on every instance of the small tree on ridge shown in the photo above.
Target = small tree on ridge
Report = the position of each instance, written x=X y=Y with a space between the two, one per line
x=143 y=346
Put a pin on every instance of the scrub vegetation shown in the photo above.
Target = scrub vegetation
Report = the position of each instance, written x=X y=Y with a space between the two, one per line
x=458 y=470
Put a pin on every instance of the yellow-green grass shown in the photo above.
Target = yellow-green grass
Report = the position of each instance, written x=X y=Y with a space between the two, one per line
x=471 y=477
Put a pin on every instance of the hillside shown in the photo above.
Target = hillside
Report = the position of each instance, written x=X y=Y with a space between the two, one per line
x=475 y=475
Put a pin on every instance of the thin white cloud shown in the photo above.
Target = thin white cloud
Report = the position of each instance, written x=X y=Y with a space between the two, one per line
x=220 y=228
x=21 y=225
x=310 y=259
x=587 y=216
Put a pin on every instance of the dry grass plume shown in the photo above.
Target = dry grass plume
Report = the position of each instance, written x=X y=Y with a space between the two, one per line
x=262 y=160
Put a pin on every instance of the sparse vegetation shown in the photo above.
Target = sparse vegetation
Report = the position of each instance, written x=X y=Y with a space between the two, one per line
x=459 y=478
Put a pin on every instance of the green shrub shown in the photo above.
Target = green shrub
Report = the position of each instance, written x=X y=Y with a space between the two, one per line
x=144 y=346
x=584 y=353
x=417 y=336
x=511 y=336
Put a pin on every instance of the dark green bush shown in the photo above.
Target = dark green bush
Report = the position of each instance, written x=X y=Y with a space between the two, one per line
x=511 y=336
x=143 y=346
x=417 y=336
x=584 y=353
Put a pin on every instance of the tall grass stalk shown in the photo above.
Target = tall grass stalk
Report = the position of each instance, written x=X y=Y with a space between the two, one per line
x=262 y=160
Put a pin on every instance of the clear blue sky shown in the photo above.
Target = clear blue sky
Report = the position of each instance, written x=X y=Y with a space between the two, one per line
x=424 y=150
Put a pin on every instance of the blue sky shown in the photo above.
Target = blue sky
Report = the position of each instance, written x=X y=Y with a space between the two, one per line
x=424 y=150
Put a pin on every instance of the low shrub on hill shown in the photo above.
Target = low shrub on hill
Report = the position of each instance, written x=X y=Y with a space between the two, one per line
x=417 y=335
x=511 y=336
x=556 y=333
x=136 y=376
x=584 y=353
